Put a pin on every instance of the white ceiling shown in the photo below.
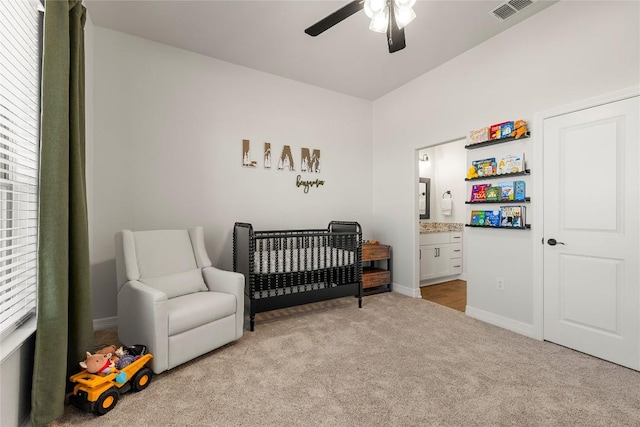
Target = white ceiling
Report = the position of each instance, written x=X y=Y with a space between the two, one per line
x=348 y=58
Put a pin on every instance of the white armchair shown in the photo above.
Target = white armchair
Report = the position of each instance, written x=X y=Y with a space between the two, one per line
x=171 y=299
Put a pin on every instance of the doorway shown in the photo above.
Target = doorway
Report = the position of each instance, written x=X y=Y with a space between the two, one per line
x=441 y=248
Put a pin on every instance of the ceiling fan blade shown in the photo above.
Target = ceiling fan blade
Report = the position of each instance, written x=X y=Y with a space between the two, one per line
x=336 y=17
x=395 y=35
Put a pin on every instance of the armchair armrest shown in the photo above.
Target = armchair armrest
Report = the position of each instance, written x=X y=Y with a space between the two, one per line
x=143 y=319
x=231 y=283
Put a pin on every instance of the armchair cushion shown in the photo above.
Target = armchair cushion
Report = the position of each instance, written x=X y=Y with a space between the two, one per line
x=178 y=284
x=190 y=311
x=162 y=253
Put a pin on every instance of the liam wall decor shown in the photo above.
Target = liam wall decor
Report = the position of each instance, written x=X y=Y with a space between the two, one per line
x=309 y=162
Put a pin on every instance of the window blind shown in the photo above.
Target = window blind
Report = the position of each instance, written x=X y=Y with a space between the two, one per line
x=19 y=154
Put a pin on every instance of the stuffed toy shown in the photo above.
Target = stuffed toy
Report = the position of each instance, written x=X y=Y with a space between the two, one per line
x=101 y=364
x=98 y=363
x=519 y=129
x=124 y=358
x=110 y=349
x=119 y=356
x=472 y=173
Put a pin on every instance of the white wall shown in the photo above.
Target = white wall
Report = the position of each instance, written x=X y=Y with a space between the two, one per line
x=168 y=131
x=450 y=166
x=568 y=52
x=16 y=372
x=447 y=162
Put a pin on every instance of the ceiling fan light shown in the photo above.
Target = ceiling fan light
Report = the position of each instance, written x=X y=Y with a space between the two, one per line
x=404 y=15
x=373 y=7
x=404 y=3
x=380 y=21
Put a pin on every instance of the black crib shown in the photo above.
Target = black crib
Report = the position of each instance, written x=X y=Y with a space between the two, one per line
x=285 y=268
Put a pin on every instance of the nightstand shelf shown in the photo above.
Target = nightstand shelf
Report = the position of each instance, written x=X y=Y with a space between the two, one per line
x=374 y=277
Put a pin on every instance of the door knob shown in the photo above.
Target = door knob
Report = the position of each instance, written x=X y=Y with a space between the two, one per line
x=553 y=242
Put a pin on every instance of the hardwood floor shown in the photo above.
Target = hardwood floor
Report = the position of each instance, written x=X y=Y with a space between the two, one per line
x=451 y=294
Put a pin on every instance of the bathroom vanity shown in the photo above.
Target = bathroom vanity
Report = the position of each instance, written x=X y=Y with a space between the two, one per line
x=440 y=250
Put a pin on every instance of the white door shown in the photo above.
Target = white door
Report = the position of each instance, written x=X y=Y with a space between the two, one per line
x=591 y=191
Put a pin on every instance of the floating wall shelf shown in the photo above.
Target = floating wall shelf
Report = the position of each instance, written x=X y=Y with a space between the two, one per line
x=526 y=227
x=526 y=200
x=495 y=141
x=525 y=172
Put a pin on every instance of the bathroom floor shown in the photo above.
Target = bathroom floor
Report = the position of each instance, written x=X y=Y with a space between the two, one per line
x=452 y=294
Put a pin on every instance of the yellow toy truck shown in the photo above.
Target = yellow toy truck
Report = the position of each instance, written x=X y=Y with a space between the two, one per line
x=100 y=393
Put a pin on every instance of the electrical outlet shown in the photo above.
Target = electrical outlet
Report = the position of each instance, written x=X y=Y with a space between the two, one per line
x=500 y=283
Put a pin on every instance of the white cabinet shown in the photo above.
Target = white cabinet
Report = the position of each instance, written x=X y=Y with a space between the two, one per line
x=440 y=254
x=435 y=261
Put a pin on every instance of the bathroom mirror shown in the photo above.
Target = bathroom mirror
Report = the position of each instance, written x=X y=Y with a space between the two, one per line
x=424 y=197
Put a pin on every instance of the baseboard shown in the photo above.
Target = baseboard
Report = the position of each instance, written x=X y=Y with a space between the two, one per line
x=404 y=290
x=105 y=323
x=503 y=322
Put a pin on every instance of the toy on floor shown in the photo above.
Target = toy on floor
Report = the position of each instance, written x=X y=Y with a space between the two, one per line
x=99 y=391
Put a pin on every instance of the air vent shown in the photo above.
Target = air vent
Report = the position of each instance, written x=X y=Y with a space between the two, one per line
x=519 y=4
x=510 y=8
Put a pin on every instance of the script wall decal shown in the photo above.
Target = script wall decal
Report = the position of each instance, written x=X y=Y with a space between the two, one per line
x=308 y=184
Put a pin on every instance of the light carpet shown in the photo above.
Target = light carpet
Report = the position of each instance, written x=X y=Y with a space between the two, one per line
x=397 y=361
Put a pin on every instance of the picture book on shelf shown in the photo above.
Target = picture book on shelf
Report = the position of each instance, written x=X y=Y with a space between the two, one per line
x=512 y=216
x=493 y=194
x=479 y=135
x=506 y=190
x=505 y=129
x=511 y=163
x=506 y=218
x=516 y=214
x=492 y=218
x=479 y=192
x=499 y=130
x=519 y=191
x=477 y=217
x=485 y=167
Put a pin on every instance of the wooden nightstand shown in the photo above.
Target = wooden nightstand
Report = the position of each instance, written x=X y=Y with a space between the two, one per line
x=375 y=278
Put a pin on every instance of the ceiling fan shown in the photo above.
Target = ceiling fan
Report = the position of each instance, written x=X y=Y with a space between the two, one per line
x=390 y=16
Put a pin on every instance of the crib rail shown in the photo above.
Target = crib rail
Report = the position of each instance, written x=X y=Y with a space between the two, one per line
x=292 y=251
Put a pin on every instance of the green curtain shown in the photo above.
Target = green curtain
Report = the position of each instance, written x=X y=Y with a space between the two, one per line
x=65 y=320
